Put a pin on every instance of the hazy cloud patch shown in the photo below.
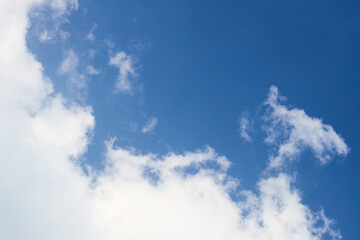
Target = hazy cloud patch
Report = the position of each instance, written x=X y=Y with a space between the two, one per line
x=150 y=125
x=125 y=64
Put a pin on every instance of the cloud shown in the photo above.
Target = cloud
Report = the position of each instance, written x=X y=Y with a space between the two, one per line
x=69 y=67
x=64 y=35
x=140 y=45
x=110 y=44
x=63 y=7
x=45 y=36
x=91 y=70
x=244 y=127
x=90 y=36
x=125 y=64
x=47 y=195
x=150 y=125
x=48 y=20
x=91 y=53
x=299 y=131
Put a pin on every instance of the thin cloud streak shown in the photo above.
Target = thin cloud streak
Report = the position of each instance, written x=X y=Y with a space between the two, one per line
x=245 y=127
x=150 y=125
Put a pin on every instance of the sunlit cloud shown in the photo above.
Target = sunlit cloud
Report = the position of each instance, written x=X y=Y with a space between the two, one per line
x=47 y=194
x=299 y=131
x=125 y=64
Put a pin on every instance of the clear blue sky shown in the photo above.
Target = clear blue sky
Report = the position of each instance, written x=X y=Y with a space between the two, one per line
x=200 y=65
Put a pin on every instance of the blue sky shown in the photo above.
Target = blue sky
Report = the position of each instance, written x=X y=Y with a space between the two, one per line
x=170 y=78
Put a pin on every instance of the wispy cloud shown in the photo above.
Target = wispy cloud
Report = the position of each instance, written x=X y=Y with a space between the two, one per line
x=150 y=125
x=90 y=36
x=48 y=28
x=299 y=131
x=45 y=36
x=245 y=126
x=69 y=67
x=91 y=70
x=110 y=44
x=125 y=64
x=140 y=45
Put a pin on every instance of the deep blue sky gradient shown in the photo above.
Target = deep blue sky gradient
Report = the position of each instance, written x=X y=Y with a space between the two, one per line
x=206 y=62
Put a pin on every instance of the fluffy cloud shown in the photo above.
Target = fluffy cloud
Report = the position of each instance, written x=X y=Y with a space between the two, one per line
x=150 y=125
x=146 y=196
x=299 y=131
x=47 y=195
x=125 y=64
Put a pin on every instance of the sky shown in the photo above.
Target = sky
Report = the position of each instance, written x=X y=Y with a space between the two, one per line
x=179 y=120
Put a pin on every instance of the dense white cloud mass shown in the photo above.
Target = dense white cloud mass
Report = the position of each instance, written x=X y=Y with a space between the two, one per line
x=299 y=131
x=150 y=125
x=45 y=194
x=125 y=63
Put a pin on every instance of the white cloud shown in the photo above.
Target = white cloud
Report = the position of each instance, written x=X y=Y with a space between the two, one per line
x=91 y=70
x=125 y=63
x=69 y=63
x=62 y=7
x=90 y=36
x=110 y=44
x=45 y=36
x=69 y=67
x=245 y=127
x=45 y=194
x=150 y=125
x=64 y=35
x=299 y=131
x=91 y=53
x=48 y=28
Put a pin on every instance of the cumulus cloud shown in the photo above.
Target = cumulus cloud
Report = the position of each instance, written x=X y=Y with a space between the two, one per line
x=150 y=125
x=245 y=127
x=299 y=131
x=47 y=195
x=125 y=64
x=167 y=200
